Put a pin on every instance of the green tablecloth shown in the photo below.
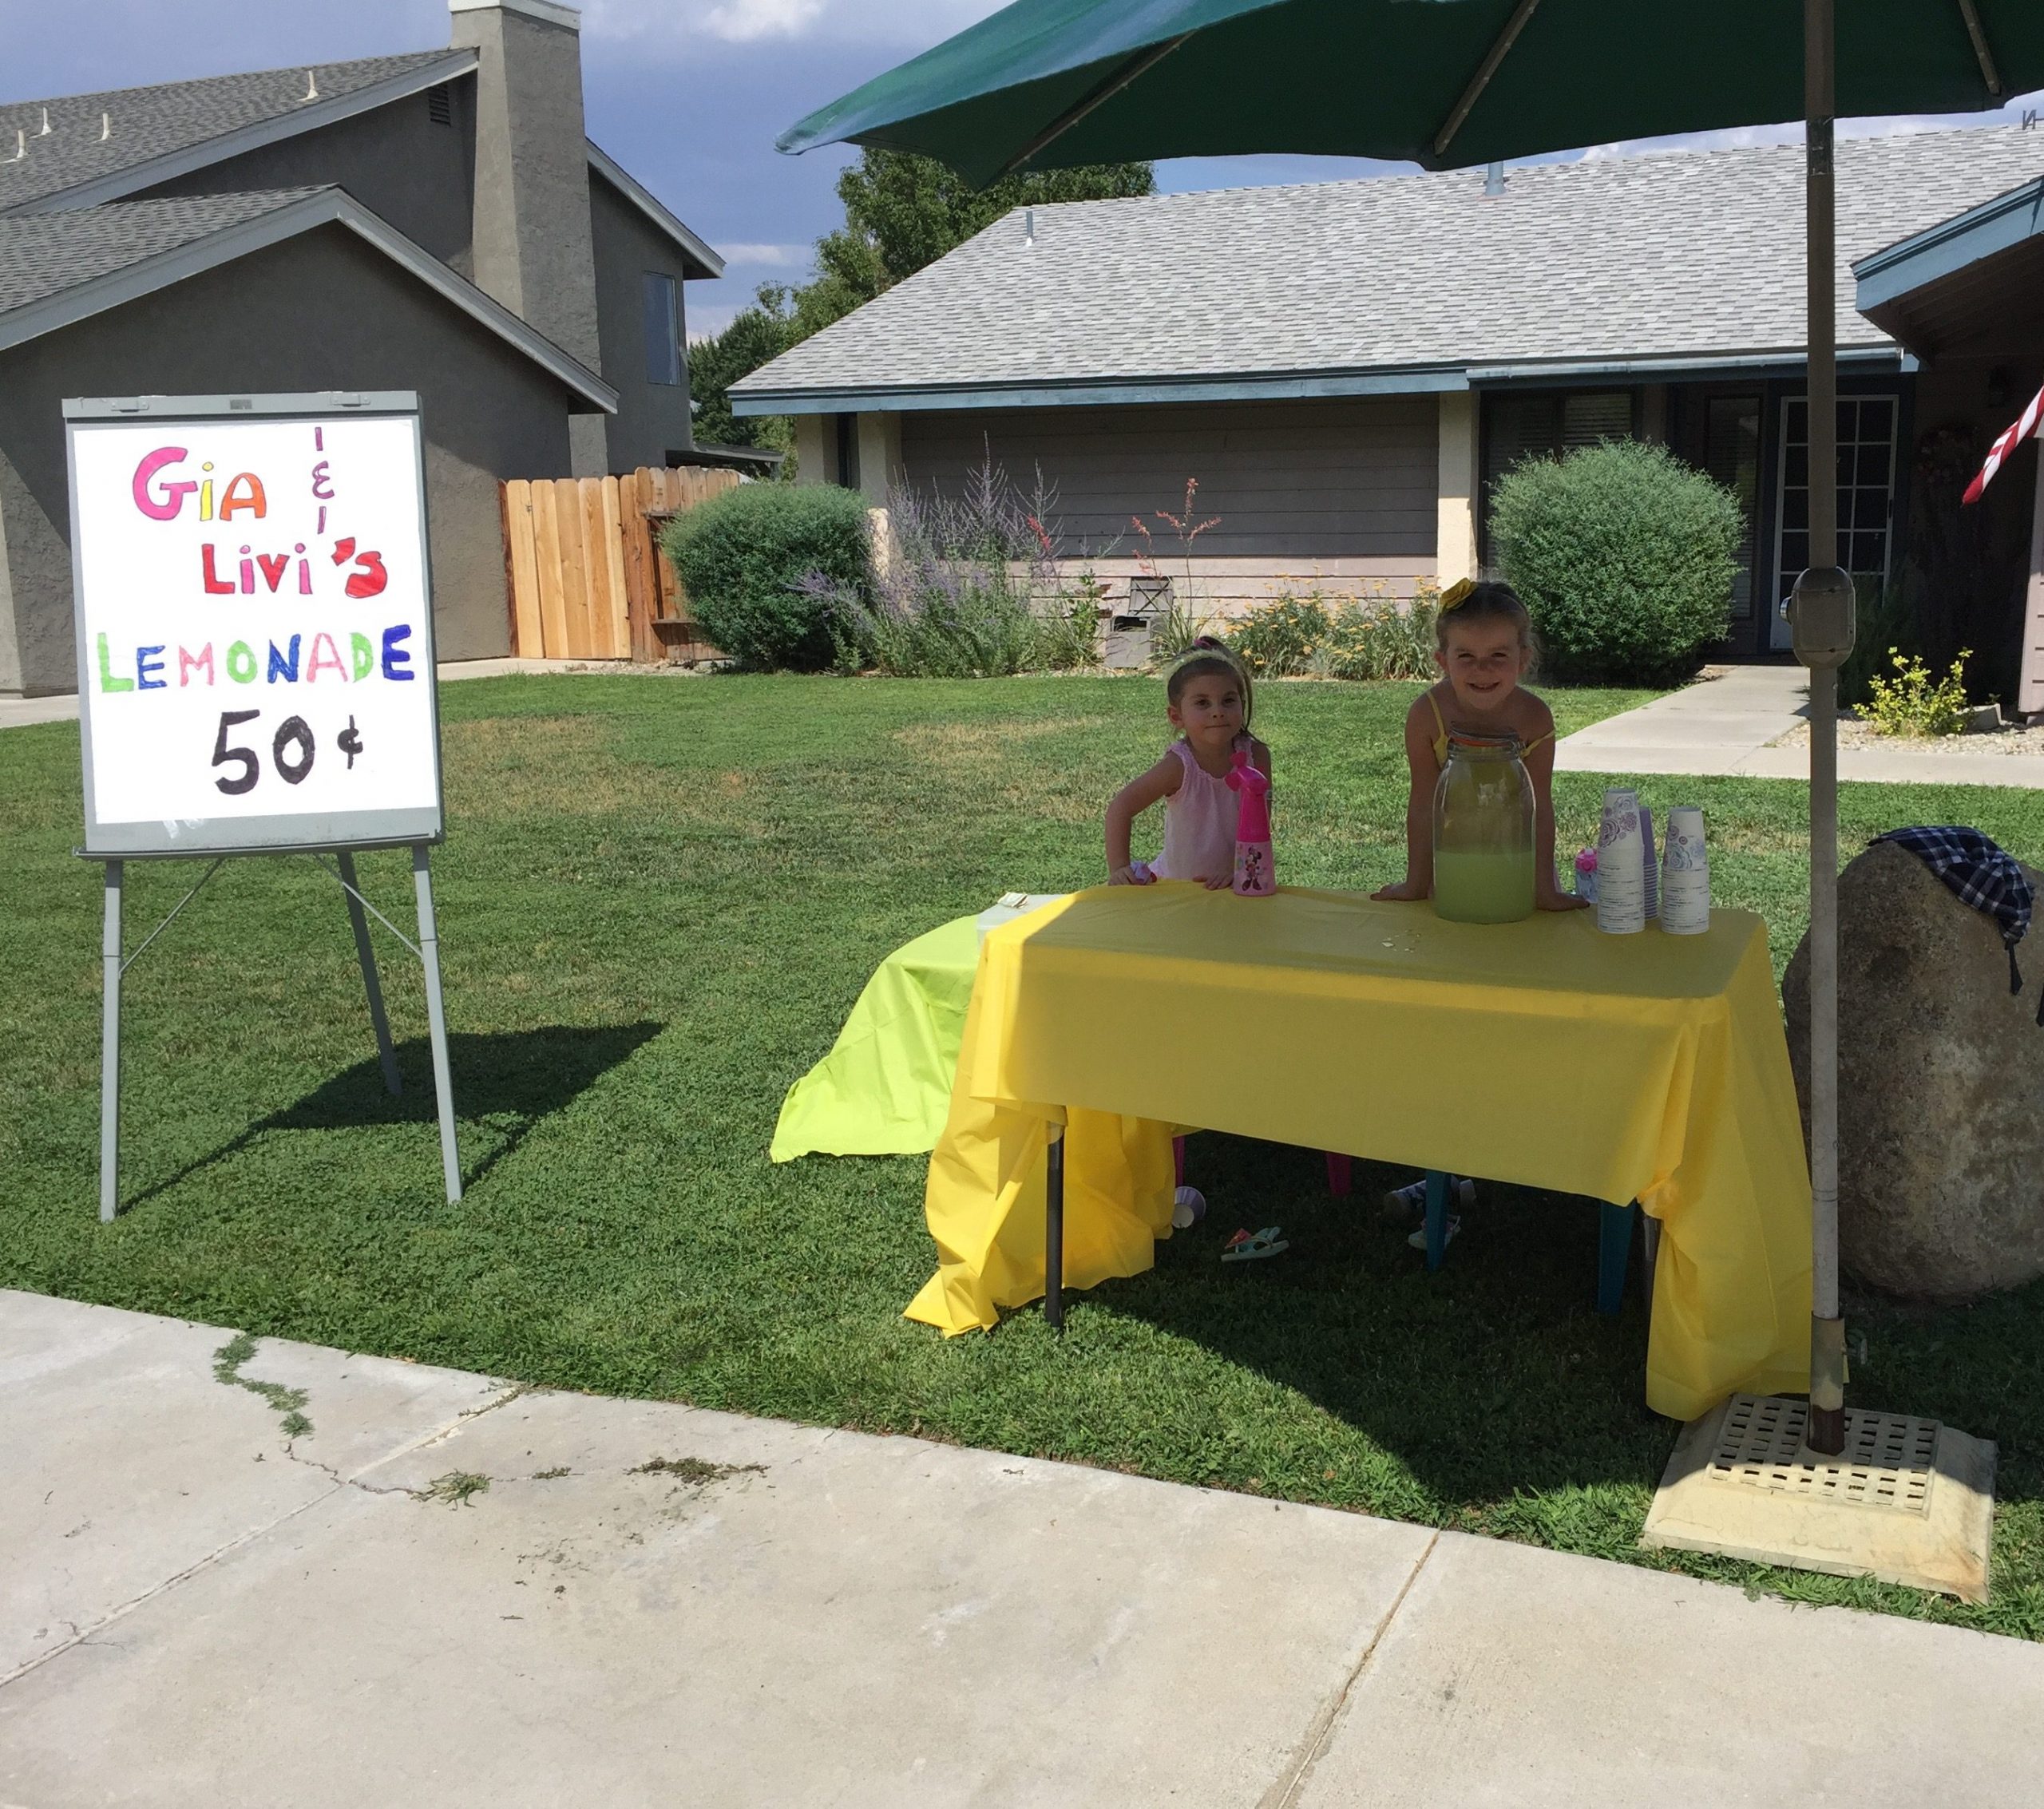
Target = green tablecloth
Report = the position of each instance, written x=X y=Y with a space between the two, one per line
x=885 y=1085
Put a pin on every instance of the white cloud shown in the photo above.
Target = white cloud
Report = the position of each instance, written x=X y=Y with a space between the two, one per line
x=742 y=21
x=912 y=25
x=707 y=322
x=778 y=256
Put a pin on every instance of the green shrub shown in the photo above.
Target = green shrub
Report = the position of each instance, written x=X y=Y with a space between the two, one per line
x=743 y=557
x=1888 y=619
x=971 y=588
x=1280 y=639
x=1338 y=637
x=1377 y=639
x=1910 y=703
x=1624 y=556
x=1068 y=629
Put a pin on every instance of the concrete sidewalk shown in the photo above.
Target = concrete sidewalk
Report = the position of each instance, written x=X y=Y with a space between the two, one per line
x=456 y=1592
x=1727 y=727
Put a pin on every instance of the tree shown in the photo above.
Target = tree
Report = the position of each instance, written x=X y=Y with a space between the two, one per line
x=902 y=213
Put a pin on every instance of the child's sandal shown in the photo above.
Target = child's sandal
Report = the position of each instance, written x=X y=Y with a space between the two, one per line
x=1248 y=1246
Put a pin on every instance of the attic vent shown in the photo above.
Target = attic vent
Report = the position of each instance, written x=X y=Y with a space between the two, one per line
x=440 y=105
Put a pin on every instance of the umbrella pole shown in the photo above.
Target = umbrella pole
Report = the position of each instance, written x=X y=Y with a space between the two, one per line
x=1823 y=611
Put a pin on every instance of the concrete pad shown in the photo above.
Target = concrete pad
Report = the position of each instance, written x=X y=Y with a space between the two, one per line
x=857 y=1621
x=1726 y=727
x=1907 y=1500
x=1521 y=1677
x=126 y=1463
x=20 y=712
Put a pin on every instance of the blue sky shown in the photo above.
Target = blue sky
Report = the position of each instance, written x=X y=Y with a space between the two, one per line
x=688 y=94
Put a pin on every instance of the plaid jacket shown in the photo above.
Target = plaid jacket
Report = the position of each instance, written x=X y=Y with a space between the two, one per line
x=1982 y=875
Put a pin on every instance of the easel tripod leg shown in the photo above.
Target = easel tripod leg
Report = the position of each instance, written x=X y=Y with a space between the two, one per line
x=110 y=1051
x=436 y=1016
x=365 y=953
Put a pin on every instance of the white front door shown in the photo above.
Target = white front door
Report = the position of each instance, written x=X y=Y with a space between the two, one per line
x=1866 y=494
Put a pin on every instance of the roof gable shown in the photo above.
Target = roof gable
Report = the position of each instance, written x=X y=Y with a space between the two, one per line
x=1678 y=257
x=154 y=134
x=59 y=269
x=694 y=250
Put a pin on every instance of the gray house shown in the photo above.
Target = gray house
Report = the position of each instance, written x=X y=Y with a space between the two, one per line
x=437 y=222
x=1347 y=367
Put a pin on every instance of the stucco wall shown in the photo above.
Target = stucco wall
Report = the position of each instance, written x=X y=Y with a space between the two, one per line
x=322 y=312
x=1341 y=493
x=393 y=159
x=650 y=418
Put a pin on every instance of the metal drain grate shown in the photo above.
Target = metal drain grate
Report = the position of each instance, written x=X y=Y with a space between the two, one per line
x=1888 y=1460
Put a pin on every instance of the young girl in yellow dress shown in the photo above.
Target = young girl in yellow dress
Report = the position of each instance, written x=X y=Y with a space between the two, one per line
x=1483 y=646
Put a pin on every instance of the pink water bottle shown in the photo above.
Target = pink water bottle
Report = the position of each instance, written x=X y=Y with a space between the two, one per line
x=1256 y=875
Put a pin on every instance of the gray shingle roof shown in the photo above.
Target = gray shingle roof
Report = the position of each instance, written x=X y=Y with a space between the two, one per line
x=43 y=255
x=143 y=123
x=1697 y=253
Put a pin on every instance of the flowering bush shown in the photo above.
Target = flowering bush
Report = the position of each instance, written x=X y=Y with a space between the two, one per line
x=970 y=588
x=1358 y=638
x=1280 y=638
x=1910 y=703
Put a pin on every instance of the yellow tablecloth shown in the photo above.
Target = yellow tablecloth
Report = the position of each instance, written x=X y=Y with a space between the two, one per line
x=1651 y=1067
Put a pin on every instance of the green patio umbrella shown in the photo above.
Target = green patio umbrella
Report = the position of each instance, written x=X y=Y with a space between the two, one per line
x=1448 y=83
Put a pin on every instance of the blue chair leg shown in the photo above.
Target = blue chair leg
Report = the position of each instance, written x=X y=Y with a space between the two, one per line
x=1436 y=1217
x=1613 y=1252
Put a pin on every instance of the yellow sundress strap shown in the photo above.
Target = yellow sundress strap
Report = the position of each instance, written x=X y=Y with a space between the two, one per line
x=1534 y=743
x=1440 y=730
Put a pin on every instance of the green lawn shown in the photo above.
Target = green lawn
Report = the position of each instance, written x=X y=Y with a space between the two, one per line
x=659 y=899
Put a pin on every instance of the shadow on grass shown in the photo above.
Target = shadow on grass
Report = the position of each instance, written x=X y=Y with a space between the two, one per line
x=1494 y=1376
x=510 y=1079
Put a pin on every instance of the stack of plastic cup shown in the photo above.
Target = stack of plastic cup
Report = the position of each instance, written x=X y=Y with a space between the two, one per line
x=1684 y=874
x=1621 y=865
x=1649 y=866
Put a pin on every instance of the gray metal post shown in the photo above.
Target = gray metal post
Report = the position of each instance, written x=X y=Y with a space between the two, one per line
x=365 y=953
x=1827 y=1418
x=110 y=1049
x=436 y=1018
x=1054 y=1230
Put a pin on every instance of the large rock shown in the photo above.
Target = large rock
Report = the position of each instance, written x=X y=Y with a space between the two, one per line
x=1940 y=1085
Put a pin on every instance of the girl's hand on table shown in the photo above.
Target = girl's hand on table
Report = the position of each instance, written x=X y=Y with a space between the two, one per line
x=1131 y=875
x=1405 y=891
x=1220 y=884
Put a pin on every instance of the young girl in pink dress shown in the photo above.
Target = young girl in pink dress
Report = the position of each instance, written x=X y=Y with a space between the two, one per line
x=1207 y=698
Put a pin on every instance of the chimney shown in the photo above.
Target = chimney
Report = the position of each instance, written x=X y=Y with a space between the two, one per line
x=533 y=249
x=1494 y=179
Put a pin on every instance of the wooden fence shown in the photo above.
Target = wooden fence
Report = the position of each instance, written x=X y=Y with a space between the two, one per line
x=583 y=570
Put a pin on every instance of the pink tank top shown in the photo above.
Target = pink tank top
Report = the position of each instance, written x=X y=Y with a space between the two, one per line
x=1199 y=824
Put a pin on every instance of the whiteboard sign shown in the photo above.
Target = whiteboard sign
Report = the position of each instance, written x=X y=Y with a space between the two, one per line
x=254 y=622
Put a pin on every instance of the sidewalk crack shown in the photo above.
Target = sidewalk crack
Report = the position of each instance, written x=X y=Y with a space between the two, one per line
x=1284 y=1793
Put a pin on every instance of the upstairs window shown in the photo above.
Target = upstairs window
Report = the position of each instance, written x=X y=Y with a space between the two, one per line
x=663 y=329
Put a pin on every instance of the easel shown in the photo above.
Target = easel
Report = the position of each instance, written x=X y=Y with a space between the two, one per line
x=115 y=964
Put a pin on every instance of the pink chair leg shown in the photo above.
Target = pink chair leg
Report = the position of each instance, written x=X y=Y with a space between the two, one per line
x=1178 y=1161
x=1337 y=1175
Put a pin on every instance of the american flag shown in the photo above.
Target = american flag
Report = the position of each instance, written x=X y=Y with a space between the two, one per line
x=2006 y=445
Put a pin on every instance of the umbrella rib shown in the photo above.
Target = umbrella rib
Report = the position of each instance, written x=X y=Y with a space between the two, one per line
x=1970 y=11
x=1489 y=68
x=1140 y=64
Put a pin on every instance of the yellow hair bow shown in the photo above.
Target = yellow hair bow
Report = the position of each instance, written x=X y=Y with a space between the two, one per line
x=1456 y=594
